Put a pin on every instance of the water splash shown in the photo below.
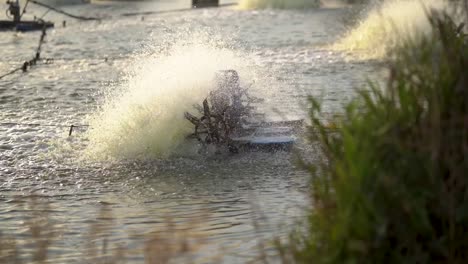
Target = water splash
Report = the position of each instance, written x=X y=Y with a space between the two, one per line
x=146 y=119
x=281 y=4
x=387 y=25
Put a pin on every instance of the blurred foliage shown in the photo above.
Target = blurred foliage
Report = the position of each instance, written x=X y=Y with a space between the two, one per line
x=41 y=237
x=392 y=183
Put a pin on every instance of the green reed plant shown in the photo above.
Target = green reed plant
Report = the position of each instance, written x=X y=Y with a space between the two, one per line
x=392 y=182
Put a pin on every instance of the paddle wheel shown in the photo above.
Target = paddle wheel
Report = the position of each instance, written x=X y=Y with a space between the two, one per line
x=227 y=118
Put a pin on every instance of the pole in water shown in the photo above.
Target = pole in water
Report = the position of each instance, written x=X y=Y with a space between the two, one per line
x=204 y=3
x=24 y=68
x=71 y=130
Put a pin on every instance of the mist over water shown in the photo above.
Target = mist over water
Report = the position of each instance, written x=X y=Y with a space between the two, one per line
x=387 y=25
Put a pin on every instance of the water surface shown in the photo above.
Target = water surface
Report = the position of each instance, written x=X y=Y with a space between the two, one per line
x=242 y=198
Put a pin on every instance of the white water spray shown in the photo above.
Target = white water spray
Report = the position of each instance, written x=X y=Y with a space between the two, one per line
x=147 y=118
x=388 y=25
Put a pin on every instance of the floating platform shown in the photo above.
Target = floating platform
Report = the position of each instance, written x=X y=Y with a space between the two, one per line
x=24 y=26
x=268 y=136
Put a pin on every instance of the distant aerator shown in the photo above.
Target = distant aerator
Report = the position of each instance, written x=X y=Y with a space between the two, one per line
x=204 y=3
x=15 y=14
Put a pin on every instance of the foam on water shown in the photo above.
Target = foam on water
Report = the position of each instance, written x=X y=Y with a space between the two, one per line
x=146 y=118
x=387 y=25
x=283 y=4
